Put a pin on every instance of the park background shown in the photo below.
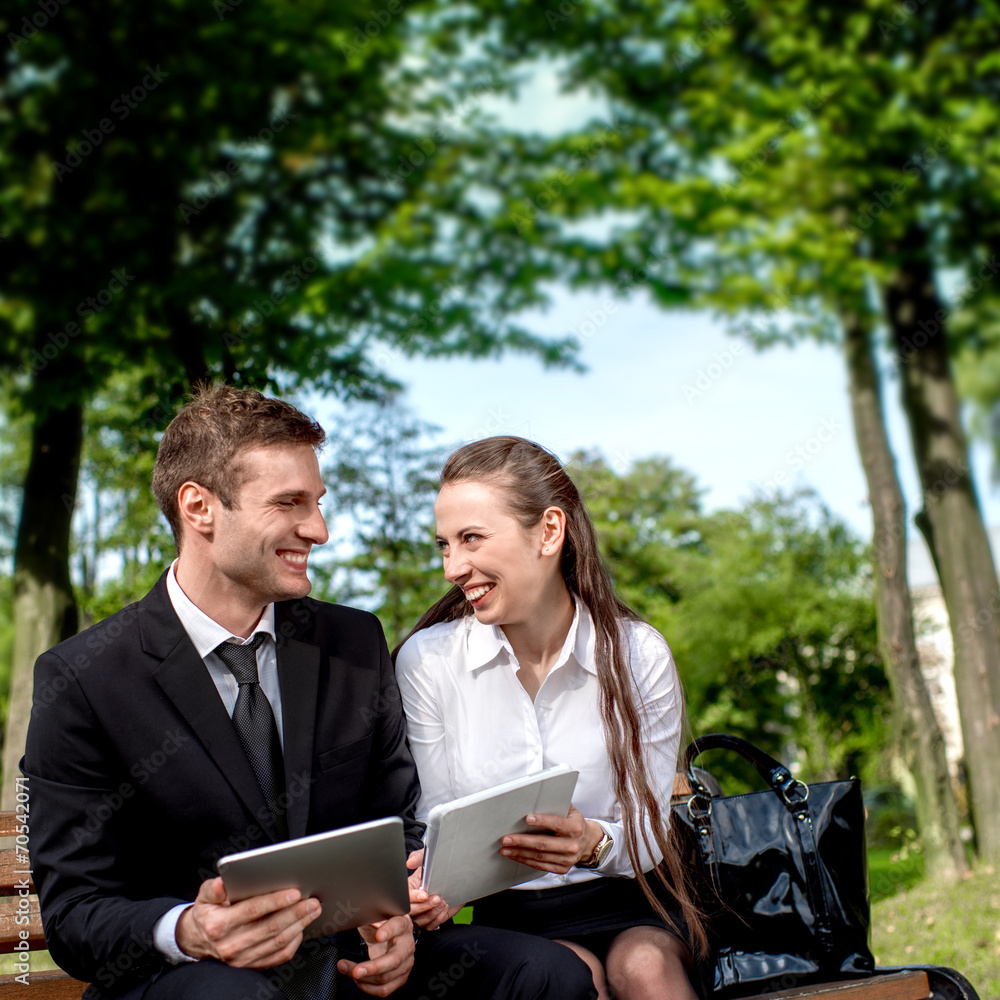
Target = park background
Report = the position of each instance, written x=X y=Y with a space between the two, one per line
x=733 y=261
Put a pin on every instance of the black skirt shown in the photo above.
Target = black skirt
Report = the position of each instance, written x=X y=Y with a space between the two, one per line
x=590 y=913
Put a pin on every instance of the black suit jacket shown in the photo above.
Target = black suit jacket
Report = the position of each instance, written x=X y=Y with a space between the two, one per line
x=138 y=783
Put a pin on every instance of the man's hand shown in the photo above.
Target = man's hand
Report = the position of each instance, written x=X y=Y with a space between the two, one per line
x=572 y=839
x=256 y=933
x=390 y=957
x=427 y=912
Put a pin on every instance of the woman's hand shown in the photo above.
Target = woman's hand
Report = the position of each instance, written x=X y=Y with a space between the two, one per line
x=572 y=839
x=427 y=912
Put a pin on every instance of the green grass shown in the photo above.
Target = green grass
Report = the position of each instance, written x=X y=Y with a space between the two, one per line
x=891 y=870
x=957 y=925
x=38 y=961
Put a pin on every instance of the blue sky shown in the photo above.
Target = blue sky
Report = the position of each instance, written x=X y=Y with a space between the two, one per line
x=669 y=383
x=676 y=384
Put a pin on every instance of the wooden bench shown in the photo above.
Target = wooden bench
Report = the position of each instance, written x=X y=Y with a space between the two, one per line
x=907 y=985
x=20 y=923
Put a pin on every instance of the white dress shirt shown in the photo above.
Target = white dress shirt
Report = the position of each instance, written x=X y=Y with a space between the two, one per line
x=207 y=634
x=472 y=725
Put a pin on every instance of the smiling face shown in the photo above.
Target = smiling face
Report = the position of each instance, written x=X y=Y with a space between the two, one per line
x=509 y=574
x=260 y=549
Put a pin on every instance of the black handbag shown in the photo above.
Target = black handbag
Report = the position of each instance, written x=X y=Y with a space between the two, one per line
x=782 y=876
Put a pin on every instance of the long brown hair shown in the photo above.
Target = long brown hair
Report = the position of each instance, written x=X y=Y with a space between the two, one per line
x=532 y=480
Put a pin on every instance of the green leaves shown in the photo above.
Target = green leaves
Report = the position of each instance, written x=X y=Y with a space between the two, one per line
x=768 y=610
x=382 y=475
x=280 y=180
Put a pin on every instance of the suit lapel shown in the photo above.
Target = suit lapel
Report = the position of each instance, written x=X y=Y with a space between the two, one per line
x=184 y=679
x=298 y=676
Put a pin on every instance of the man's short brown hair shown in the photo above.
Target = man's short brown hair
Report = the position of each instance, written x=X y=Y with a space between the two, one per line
x=205 y=442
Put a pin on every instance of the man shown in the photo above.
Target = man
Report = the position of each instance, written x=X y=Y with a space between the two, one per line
x=227 y=710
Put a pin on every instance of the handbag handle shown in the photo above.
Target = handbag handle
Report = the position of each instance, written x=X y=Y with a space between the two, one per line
x=791 y=791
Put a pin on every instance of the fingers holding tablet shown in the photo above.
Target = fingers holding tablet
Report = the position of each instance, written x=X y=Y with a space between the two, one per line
x=257 y=932
x=390 y=957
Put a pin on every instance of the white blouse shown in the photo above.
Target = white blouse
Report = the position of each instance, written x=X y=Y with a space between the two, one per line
x=472 y=725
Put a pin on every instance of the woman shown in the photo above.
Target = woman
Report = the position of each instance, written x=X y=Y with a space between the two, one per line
x=530 y=660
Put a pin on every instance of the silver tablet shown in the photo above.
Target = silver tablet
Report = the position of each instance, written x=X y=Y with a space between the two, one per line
x=358 y=873
x=463 y=860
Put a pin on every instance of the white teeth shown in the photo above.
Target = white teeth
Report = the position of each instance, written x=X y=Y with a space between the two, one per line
x=474 y=595
x=294 y=557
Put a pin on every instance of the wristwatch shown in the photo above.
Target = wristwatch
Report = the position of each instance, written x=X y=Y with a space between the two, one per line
x=601 y=851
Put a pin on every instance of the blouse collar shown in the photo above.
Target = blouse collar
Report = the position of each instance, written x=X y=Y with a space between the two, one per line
x=487 y=641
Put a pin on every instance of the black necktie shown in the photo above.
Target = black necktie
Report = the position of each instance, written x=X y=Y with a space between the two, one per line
x=255 y=726
x=312 y=973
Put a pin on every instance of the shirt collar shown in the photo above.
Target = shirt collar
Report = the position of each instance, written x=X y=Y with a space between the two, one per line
x=486 y=641
x=205 y=632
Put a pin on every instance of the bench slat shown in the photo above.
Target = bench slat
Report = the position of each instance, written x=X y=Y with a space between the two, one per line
x=49 y=985
x=10 y=929
x=11 y=862
x=908 y=985
x=10 y=824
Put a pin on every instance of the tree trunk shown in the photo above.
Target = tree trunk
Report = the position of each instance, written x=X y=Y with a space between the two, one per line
x=952 y=524
x=920 y=737
x=45 y=609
